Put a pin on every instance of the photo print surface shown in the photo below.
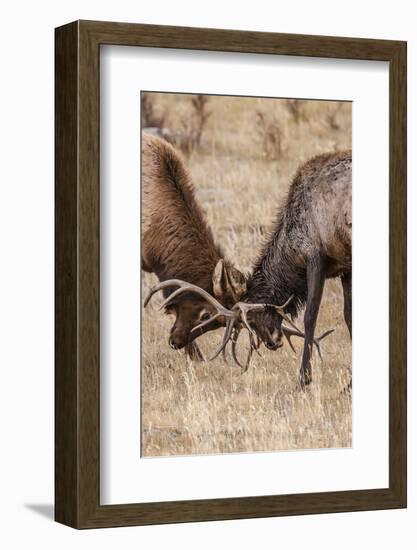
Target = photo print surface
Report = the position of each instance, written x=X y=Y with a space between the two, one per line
x=246 y=243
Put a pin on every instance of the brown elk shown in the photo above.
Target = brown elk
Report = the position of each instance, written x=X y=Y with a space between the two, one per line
x=310 y=242
x=178 y=243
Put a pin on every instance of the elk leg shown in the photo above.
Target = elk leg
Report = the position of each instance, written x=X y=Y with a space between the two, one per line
x=347 y=296
x=194 y=352
x=315 y=285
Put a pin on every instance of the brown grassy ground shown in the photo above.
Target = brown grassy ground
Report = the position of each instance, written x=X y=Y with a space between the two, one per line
x=198 y=408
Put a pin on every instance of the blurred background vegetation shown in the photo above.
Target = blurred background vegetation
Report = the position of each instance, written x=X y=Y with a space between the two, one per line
x=242 y=154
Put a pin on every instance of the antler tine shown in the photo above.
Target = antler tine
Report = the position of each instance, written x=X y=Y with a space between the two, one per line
x=281 y=311
x=234 y=354
x=249 y=357
x=161 y=286
x=253 y=346
x=245 y=322
x=288 y=337
x=226 y=338
x=288 y=332
x=316 y=341
x=172 y=296
x=325 y=334
x=245 y=308
x=285 y=305
x=205 y=323
x=186 y=287
x=235 y=338
x=239 y=312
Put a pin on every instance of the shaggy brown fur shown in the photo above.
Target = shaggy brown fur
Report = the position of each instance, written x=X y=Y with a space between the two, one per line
x=177 y=243
x=176 y=240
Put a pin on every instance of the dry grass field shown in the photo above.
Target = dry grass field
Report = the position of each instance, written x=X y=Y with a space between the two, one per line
x=242 y=165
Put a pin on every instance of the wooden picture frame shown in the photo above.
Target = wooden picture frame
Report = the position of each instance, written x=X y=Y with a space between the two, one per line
x=77 y=373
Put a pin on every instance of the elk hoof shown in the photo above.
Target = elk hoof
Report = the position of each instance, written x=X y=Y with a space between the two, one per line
x=304 y=379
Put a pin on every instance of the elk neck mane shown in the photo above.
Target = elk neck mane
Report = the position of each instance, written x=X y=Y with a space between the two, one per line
x=275 y=276
x=280 y=271
x=184 y=245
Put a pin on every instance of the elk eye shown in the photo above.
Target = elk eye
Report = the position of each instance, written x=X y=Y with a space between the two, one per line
x=205 y=316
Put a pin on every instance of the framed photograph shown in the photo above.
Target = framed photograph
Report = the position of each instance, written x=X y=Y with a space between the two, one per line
x=230 y=274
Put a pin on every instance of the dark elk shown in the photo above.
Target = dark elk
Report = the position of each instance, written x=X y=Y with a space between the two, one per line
x=177 y=243
x=311 y=241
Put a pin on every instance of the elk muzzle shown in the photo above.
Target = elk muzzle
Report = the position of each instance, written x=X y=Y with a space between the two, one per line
x=178 y=340
x=179 y=335
x=273 y=340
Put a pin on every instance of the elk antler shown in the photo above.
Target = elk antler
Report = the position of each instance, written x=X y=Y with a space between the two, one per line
x=187 y=287
x=253 y=347
x=237 y=315
x=288 y=332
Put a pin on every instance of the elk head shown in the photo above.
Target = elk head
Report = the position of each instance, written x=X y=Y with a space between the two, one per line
x=241 y=315
x=193 y=309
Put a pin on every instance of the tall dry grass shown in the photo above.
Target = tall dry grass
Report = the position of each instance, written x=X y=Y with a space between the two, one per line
x=197 y=408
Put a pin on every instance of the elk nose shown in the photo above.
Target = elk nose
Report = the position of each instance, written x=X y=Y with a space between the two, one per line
x=176 y=342
x=273 y=346
x=275 y=340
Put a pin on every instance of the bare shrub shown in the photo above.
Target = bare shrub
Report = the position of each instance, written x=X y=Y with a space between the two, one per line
x=296 y=109
x=150 y=117
x=193 y=125
x=332 y=118
x=271 y=136
x=201 y=115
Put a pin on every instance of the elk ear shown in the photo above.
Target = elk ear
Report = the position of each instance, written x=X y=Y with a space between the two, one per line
x=229 y=284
